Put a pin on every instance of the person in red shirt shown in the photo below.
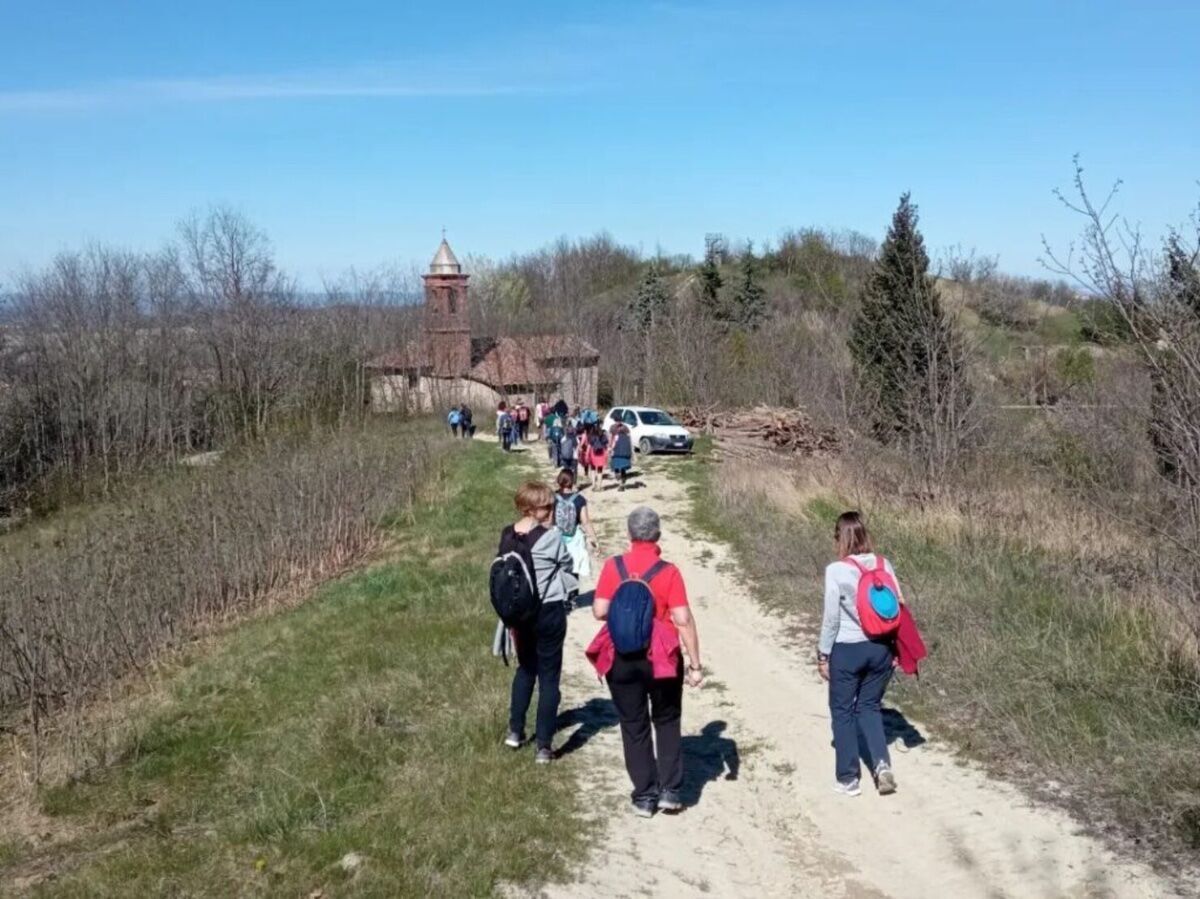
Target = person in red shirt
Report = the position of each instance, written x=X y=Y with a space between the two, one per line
x=640 y=698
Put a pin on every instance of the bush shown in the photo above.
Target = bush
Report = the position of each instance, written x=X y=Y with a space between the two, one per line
x=98 y=597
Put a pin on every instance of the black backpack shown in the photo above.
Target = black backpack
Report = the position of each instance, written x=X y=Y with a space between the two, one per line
x=512 y=582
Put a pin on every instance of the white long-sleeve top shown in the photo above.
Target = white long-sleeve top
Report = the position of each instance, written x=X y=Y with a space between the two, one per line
x=839 y=624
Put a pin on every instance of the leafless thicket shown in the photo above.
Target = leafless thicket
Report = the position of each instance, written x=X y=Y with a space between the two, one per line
x=110 y=360
x=1157 y=297
x=102 y=595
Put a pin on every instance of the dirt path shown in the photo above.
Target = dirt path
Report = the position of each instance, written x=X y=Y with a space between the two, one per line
x=764 y=821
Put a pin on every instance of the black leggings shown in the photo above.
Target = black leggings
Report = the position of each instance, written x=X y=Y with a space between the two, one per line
x=539 y=660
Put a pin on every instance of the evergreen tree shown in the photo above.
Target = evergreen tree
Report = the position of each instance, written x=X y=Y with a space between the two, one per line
x=649 y=303
x=711 y=300
x=905 y=350
x=1171 y=406
x=750 y=301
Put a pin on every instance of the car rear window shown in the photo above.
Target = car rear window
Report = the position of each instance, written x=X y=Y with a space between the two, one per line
x=657 y=417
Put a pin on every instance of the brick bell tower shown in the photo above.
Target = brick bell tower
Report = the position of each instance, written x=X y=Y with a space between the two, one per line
x=447 y=319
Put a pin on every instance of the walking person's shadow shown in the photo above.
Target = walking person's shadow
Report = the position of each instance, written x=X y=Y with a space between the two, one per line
x=592 y=717
x=708 y=757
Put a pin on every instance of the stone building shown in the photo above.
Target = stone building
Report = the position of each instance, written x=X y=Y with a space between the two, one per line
x=446 y=365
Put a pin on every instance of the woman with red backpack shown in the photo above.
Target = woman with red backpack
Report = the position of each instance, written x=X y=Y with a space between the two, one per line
x=857 y=652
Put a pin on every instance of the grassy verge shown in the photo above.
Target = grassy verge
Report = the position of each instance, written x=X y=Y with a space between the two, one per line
x=365 y=722
x=1041 y=668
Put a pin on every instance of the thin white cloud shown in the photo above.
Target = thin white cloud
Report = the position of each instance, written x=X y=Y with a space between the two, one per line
x=332 y=85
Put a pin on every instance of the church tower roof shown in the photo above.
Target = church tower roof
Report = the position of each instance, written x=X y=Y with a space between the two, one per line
x=444 y=261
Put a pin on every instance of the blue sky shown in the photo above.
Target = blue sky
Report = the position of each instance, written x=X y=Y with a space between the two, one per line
x=352 y=132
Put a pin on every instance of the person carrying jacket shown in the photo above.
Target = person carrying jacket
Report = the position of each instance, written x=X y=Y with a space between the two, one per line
x=857 y=668
x=539 y=644
x=642 y=696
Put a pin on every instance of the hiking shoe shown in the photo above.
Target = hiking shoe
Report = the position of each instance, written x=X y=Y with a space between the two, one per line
x=849 y=788
x=670 y=801
x=545 y=755
x=514 y=740
x=645 y=808
x=885 y=780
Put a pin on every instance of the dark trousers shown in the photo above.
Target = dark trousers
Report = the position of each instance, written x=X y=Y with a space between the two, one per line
x=454 y=430
x=641 y=700
x=539 y=660
x=552 y=446
x=858 y=676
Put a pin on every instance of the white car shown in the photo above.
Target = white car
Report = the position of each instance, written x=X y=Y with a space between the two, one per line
x=653 y=430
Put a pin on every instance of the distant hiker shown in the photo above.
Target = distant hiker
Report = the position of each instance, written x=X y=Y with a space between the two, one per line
x=505 y=426
x=522 y=422
x=621 y=455
x=467 y=422
x=573 y=520
x=454 y=419
x=567 y=447
x=644 y=603
x=856 y=652
x=540 y=412
x=585 y=451
x=554 y=434
x=598 y=454
x=530 y=582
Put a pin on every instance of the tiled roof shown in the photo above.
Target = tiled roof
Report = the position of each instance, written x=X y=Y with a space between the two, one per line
x=558 y=346
x=504 y=361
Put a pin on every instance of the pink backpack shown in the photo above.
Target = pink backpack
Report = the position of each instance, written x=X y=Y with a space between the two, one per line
x=878 y=600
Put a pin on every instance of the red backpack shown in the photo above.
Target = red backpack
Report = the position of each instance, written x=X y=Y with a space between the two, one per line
x=878 y=600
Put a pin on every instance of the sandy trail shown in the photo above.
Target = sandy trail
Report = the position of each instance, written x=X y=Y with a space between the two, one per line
x=764 y=820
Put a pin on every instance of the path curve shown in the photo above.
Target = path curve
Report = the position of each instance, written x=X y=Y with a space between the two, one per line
x=776 y=828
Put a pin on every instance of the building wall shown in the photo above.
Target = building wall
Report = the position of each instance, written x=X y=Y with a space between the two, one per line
x=577 y=384
x=395 y=393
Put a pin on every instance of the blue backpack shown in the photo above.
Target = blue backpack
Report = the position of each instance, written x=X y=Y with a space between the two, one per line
x=631 y=614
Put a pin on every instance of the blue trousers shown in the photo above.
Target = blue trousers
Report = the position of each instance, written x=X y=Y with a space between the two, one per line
x=858 y=676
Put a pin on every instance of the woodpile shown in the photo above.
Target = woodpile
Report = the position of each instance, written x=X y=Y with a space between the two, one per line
x=763 y=428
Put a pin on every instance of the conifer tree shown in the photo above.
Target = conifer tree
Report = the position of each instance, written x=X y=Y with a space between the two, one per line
x=750 y=301
x=649 y=304
x=710 y=282
x=906 y=352
x=1171 y=412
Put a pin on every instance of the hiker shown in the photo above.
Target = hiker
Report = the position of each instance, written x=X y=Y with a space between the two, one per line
x=620 y=457
x=505 y=426
x=454 y=419
x=522 y=422
x=541 y=410
x=554 y=435
x=584 y=451
x=856 y=652
x=466 y=421
x=574 y=522
x=539 y=637
x=598 y=455
x=645 y=670
x=567 y=447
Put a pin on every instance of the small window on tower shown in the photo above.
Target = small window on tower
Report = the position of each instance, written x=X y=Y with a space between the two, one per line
x=452 y=302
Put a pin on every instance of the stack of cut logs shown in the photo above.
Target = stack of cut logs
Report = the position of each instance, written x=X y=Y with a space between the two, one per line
x=746 y=431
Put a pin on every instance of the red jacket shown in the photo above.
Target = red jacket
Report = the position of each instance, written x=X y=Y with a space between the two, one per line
x=910 y=648
x=663 y=652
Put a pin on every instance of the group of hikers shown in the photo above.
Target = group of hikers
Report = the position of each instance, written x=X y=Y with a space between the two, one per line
x=648 y=645
x=461 y=421
x=575 y=439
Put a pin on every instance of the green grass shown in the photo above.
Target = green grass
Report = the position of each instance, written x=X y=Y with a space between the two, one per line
x=1039 y=668
x=367 y=720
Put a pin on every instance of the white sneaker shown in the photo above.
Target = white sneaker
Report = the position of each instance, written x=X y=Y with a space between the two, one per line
x=850 y=788
x=885 y=780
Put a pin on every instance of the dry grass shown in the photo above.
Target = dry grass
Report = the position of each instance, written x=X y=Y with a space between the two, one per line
x=101 y=597
x=1053 y=659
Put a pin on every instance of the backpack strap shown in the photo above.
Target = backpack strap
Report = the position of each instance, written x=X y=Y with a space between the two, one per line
x=853 y=561
x=622 y=571
x=880 y=563
x=654 y=570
